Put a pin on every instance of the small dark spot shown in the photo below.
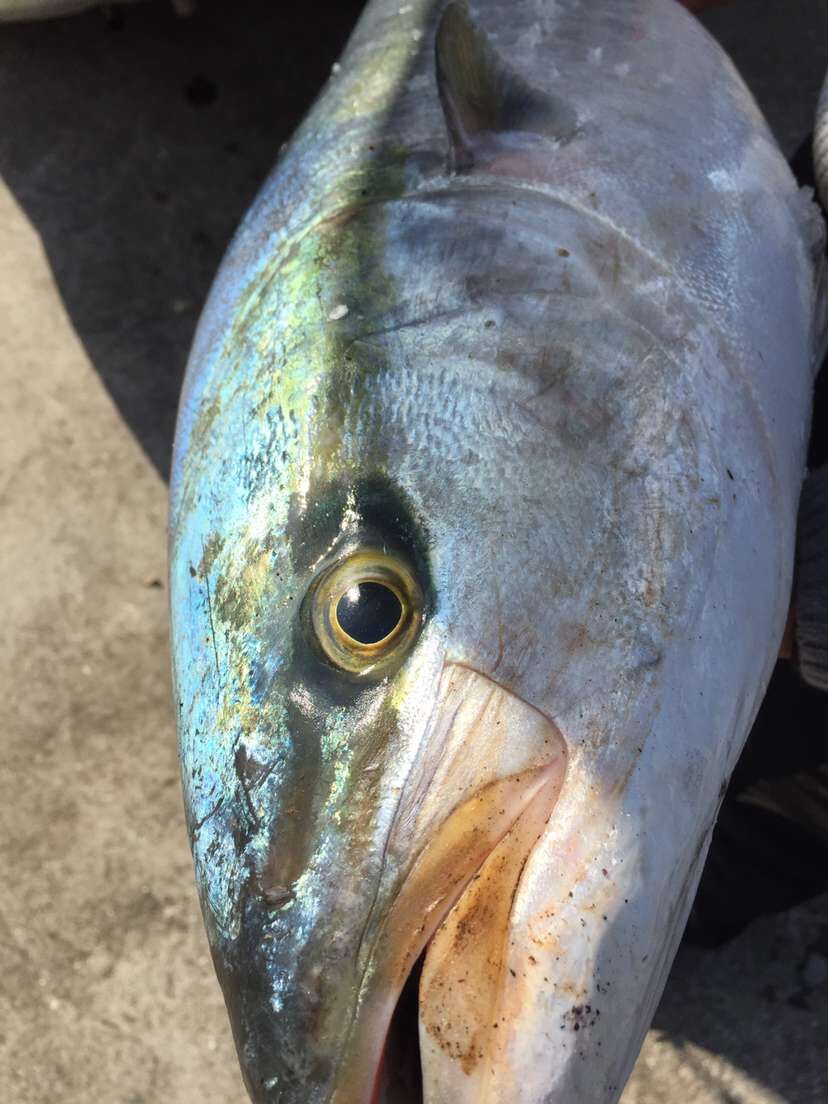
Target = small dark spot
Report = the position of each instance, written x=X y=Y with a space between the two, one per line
x=512 y=972
x=563 y=252
x=729 y=473
x=153 y=583
x=160 y=196
x=233 y=147
x=192 y=571
x=201 y=91
x=489 y=323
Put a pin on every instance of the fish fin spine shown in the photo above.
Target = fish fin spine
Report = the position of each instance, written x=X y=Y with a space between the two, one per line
x=482 y=96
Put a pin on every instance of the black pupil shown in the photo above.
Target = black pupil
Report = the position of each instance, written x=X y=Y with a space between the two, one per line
x=368 y=612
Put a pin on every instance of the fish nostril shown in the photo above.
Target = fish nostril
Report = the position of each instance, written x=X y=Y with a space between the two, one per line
x=275 y=893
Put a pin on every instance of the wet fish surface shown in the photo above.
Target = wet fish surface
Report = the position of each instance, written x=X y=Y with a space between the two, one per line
x=482 y=526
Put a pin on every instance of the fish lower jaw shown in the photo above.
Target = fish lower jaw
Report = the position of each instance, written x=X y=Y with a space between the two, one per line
x=452 y=919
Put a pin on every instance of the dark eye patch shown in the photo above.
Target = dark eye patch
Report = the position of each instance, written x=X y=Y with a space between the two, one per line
x=368 y=612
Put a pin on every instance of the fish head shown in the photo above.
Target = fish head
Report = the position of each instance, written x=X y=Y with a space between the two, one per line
x=464 y=646
x=447 y=674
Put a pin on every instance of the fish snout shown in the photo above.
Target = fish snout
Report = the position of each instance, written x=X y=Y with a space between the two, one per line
x=314 y=977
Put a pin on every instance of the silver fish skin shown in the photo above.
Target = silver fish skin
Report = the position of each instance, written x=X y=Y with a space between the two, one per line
x=529 y=331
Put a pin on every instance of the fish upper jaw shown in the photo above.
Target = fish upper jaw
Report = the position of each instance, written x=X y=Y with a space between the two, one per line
x=311 y=1003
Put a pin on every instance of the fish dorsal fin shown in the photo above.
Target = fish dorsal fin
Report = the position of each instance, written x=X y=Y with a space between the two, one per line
x=483 y=97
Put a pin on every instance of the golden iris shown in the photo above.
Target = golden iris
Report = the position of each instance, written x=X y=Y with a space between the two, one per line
x=366 y=611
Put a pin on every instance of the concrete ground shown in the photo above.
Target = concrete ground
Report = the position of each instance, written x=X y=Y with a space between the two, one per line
x=129 y=149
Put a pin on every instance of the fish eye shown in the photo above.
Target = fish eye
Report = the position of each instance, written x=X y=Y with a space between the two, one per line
x=366 y=611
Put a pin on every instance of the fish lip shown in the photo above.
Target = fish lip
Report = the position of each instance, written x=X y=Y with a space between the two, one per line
x=542 y=783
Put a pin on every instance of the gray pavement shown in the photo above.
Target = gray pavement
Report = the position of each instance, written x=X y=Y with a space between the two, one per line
x=128 y=152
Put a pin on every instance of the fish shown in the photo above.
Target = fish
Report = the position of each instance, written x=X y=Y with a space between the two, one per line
x=482 y=533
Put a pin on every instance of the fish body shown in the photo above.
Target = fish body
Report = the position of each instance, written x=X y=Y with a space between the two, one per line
x=525 y=339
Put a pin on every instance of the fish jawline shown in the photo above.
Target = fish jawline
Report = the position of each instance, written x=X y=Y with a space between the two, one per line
x=415 y=918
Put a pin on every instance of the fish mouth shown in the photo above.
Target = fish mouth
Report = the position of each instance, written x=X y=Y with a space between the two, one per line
x=446 y=930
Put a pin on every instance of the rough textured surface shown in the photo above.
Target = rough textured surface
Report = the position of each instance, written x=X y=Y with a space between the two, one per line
x=131 y=154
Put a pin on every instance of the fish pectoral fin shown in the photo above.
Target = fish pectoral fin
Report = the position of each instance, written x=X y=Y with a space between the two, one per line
x=811 y=600
x=483 y=97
